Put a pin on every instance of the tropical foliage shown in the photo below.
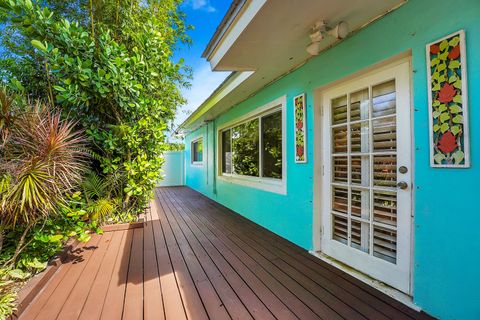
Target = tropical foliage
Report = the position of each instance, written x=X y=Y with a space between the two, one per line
x=41 y=164
x=113 y=73
x=92 y=90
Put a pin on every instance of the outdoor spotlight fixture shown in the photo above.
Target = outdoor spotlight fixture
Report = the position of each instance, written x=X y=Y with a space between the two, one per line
x=340 y=31
x=320 y=31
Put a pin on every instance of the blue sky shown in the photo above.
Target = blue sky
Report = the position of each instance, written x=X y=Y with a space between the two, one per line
x=205 y=16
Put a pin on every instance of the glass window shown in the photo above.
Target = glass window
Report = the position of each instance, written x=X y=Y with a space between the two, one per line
x=227 y=151
x=253 y=148
x=245 y=147
x=272 y=145
x=197 y=151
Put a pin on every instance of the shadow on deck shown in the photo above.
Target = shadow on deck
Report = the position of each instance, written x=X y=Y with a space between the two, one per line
x=195 y=259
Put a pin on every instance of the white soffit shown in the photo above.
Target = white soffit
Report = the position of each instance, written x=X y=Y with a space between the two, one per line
x=268 y=38
x=240 y=23
x=270 y=34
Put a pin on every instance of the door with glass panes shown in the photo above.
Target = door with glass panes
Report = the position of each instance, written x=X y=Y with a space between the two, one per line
x=367 y=166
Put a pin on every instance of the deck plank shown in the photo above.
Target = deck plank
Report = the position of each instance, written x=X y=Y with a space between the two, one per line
x=249 y=230
x=93 y=306
x=333 y=298
x=210 y=299
x=115 y=298
x=172 y=292
x=153 y=301
x=191 y=296
x=37 y=304
x=287 y=289
x=224 y=277
x=133 y=305
x=59 y=296
x=78 y=295
x=195 y=259
x=239 y=262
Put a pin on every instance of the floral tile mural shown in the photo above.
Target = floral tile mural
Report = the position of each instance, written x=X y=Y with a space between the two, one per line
x=300 y=129
x=447 y=81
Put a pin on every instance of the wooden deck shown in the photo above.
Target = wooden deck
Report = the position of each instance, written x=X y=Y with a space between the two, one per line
x=195 y=259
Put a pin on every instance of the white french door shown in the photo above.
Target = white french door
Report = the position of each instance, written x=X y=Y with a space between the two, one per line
x=367 y=187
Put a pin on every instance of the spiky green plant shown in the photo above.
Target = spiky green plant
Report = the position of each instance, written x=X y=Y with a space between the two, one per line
x=44 y=159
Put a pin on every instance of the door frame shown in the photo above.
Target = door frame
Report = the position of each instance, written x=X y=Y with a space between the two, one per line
x=318 y=180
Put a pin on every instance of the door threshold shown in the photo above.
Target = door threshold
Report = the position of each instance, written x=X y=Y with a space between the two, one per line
x=382 y=287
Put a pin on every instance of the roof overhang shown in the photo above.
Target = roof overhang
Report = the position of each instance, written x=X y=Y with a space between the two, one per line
x=263 y=40
x=206 y=111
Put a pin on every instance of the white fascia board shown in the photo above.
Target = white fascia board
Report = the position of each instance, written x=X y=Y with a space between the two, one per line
x=221 y=92
x=251 y=10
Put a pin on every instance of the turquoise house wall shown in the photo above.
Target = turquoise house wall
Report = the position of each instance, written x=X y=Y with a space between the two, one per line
x=446 y=234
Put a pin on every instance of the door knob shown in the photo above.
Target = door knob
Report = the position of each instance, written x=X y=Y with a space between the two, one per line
x=402 y=185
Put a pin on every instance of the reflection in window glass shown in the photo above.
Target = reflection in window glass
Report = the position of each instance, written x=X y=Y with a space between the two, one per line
x=245 y=147
x=197 y=151
x=272 y=145
x=226 y=151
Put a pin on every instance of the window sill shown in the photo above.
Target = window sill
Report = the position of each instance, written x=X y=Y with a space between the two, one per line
x=266 y=184
x=196 y=164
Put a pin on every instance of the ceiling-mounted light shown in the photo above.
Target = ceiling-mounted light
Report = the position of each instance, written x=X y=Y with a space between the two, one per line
x=320 y=31
x=340 y=31
x=314 y=48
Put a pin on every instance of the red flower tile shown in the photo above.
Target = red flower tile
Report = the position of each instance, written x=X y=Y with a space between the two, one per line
x=299 y=151
x=447 y=93
x=447 y=143
x=455 y=53
x=434 y=49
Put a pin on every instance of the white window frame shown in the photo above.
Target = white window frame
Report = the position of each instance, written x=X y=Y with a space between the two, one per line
x=192 y=153
x=268 y=184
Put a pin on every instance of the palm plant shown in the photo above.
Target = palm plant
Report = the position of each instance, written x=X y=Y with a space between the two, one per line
x=98 y=194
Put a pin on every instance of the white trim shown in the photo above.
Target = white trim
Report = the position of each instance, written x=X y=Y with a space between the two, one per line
x=192 y=162
x=466 y=134
x=243 y=19
x=403 y=68
x=318 y=167
x=380 y=286
x=262 y=183
x=228 y=86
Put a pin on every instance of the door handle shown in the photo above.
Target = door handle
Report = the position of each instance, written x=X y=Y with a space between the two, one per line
x=402 y=185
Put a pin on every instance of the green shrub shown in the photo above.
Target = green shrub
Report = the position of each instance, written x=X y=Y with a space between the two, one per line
x=9 y=282
x=114 y=74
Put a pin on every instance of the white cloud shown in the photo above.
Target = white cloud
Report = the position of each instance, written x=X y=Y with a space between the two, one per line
x=204 y=83
x=202 y=5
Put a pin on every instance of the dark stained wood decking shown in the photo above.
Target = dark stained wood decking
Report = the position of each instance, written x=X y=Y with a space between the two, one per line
x=195 y=259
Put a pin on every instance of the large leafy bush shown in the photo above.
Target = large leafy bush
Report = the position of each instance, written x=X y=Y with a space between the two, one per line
x=105 y=70
x=113 y=73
